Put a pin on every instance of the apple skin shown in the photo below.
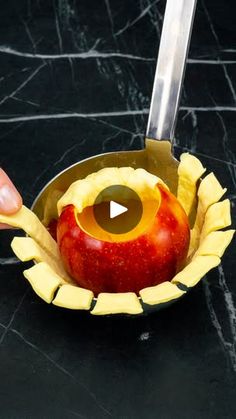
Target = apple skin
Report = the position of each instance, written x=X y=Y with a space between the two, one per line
x=153 y=257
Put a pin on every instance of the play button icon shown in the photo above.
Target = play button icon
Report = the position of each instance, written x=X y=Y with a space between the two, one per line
x=117 y=209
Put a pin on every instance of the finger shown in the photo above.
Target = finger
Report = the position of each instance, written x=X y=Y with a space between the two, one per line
x=10 y=199
x=5 y=227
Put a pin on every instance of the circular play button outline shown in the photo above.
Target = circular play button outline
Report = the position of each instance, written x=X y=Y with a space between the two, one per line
x=127 y=209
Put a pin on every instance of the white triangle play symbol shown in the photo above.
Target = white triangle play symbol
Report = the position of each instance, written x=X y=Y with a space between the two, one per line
x=116 y=209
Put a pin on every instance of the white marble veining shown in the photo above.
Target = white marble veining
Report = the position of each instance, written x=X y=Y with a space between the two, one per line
x=144 y=11
x=8 y=326
x=29 y=34
x=92 y=53
x=230 y=156
x=58 y=30
x=80 y=384
x=9 y=261
x=228 y=342
x=230 y=84
x=22 y=85
x=12 y=119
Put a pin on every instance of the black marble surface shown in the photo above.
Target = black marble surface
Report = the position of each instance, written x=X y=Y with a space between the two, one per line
x=76 y=80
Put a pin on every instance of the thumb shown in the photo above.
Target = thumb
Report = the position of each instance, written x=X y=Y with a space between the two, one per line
x=10 y=199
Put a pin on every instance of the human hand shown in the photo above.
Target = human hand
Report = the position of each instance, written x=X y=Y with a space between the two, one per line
x=10 y=199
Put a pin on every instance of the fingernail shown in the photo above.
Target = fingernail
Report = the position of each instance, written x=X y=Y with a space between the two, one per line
x=9 y=199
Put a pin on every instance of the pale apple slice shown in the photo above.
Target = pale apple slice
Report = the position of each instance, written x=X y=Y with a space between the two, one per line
x=43 y=280
x=210 y=192
x=189 y=172
x=217 y=217
x=26 y=248
x=29 y=222
x=73 y=297
x=196 y=270
x=215 y=243
x=194 y=241
x=161 y=293
x=117 y=303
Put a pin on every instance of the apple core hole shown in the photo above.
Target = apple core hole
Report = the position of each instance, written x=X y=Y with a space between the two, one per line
x=90 y=226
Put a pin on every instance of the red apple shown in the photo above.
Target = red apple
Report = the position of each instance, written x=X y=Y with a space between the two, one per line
x=149 y=259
